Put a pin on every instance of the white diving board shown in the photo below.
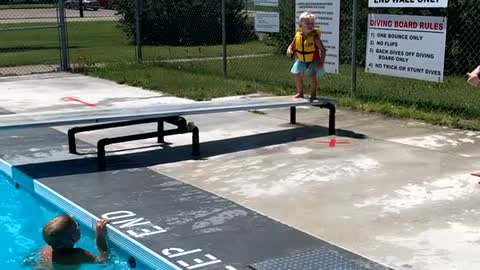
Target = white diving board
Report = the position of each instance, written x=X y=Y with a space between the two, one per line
x=104 y=118
x=97 y=115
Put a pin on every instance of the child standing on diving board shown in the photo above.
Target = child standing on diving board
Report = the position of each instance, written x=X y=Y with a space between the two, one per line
x=309 y=52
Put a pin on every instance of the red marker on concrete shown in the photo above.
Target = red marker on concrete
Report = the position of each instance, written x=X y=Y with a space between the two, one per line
x=333 y=142
x=78 y=100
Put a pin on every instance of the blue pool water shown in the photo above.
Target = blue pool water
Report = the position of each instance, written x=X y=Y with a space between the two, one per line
x=22 y=217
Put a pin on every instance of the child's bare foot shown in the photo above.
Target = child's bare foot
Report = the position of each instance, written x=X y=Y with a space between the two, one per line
x=313 y=96
x=298 y=95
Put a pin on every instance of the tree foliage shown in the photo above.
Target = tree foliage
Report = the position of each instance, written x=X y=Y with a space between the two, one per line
x=186 y=22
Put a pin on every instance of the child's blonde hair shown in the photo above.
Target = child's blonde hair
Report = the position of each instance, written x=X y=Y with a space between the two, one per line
x=307 y=15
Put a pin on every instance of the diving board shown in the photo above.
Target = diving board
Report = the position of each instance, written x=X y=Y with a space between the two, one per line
x=159 y=113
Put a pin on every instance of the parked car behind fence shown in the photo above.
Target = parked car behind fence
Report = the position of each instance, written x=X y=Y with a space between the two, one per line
x=108 y=4
x=87 y=4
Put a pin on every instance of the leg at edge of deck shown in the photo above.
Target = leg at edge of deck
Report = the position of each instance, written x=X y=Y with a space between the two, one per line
x=72 y=146
x=331 y=119
x=195 y=141
x=293 y=115
x=101 y=155
x=160 y=129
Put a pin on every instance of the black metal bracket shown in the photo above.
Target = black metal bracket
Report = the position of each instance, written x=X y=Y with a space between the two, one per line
x=331 y=116
x=179 y=122
x=176 y=120
x=293 y=115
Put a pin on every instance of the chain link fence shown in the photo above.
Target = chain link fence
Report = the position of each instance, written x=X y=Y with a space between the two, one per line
x=188 y=35
x=218 y=38
x=191 y=41
x=29 y=40
x=40 y=36
x=94 y=36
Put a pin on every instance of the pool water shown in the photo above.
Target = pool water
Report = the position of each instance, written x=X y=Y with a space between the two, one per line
x=22 y=217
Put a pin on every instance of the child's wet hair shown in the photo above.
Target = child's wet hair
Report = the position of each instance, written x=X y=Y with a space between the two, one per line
x=58 y=231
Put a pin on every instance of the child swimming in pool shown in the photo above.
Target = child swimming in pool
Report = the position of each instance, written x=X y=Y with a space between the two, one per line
x=61 y=233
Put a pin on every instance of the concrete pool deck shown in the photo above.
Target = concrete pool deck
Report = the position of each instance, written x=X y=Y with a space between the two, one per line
x=398 y=191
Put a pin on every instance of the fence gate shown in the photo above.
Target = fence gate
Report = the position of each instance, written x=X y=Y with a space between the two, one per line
x=32 y=37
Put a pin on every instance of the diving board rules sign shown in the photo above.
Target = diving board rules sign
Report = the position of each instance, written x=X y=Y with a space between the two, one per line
x=406 y=46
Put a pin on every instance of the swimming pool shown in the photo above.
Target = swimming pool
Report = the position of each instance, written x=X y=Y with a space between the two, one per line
x=22 y=217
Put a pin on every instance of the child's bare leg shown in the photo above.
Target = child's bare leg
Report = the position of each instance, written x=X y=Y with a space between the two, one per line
x=313 y=86
x=299 y=85
x=476 y=71
x=473 y=79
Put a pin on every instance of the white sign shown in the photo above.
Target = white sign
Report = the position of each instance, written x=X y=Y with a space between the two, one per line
x=327 y=18
x=267 y=21
x=406 y=46
x=408 y=3
x=268 y=3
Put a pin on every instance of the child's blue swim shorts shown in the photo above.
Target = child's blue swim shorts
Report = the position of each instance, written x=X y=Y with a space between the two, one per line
x=308 y=68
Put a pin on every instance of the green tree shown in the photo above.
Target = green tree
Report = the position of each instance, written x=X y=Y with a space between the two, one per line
x=186 y=22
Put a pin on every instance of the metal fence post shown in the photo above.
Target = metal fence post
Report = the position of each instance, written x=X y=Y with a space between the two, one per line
x=80 y=8
x=138 y=30
x=224 y=37
x=354 y=47
x=64 y=61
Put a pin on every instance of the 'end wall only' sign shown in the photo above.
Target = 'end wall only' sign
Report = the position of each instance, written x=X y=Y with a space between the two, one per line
x=406 y=46
x=408 y=3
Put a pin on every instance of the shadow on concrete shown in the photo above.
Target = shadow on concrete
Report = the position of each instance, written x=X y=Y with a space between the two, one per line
x=4 y=112
x=167 y=154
